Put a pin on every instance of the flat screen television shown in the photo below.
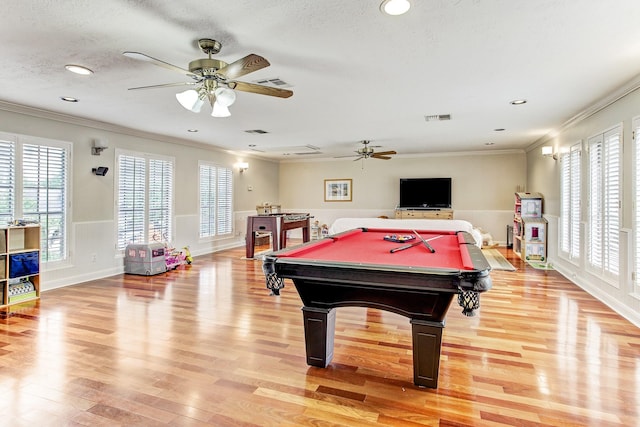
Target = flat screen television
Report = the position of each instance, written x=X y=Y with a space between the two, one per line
x=425 y=193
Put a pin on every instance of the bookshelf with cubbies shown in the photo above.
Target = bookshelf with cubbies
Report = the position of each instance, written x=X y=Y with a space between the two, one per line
x=19 y=264
x=529 y=227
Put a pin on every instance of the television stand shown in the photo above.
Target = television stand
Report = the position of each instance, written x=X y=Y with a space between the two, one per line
x=424 y=213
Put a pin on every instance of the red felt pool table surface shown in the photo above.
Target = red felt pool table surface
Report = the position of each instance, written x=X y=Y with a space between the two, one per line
x=368 y=246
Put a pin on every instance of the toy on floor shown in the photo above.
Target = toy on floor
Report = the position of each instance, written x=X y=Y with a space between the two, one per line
x=175 y=258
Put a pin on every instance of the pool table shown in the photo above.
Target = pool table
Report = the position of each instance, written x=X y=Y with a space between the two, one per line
x=361 y=267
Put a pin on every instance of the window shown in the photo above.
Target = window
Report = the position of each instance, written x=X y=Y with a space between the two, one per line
x=603 y=254
x=7 y=180
x=570 y=165
x=636 y=192
x=33 y=186
x=145 y=199
x=216 y=196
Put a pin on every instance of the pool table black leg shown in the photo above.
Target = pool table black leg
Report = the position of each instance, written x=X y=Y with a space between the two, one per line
x=319 y=330
x=427 y=340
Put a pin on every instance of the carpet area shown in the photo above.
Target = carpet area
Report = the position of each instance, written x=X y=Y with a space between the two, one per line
x=540 y=265
x=497 y=261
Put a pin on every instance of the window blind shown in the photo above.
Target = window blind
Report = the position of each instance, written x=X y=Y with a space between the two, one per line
x=7 y=181
x=636 y=193
x=145 y=199
x=44 y=186
x=570 y=187
x=576 y=197
x=131 y=200
x=216 y=199
x=604 y=202
x=160 y=200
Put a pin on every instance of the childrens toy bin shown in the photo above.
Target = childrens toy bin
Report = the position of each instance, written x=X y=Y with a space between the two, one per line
x=146 y=259
x=23 y=264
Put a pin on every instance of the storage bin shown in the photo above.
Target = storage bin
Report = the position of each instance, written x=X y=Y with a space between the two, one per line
x=23 y=264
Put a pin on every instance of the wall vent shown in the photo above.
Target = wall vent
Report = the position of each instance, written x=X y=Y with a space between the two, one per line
x=437 y=117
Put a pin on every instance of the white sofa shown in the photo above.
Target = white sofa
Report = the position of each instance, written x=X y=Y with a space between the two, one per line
x=344 y=224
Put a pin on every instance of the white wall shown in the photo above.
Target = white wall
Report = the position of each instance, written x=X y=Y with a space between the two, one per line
x=92 y=227
x=483 y=185
x=543 y=176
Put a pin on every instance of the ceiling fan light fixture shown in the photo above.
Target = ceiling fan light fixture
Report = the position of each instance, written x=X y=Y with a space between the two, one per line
x=225 y=96
x=395 y=7
x=190 y=99
x=78 y=69
x=220 y=110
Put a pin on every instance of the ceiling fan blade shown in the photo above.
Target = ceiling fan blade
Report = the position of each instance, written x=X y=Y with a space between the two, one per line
x=361 y=157
x=381 y=157
x=263 y=90
x=142 y=57
x=163 y=85
x=242 y=66
x=384 y=153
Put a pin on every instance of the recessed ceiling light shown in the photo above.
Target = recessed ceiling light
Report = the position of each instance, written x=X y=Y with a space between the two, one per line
x=192 y=130
x=69 y=99
x=395 y=7
x=518 y=102
x=78 y=69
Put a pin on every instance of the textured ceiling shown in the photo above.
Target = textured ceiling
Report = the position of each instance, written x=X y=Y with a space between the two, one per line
x=356 y=73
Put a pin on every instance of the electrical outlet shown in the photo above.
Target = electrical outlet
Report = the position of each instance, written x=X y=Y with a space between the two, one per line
x=94 y=257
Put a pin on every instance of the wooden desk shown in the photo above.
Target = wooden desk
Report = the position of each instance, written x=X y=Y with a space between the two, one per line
x=277 y=225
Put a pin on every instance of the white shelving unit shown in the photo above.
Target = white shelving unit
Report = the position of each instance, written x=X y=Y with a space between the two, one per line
x=529 y=227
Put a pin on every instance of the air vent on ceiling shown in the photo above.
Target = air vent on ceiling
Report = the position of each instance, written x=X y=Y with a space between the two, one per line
x=258 y=131
x=437 y=117
x=276 y=82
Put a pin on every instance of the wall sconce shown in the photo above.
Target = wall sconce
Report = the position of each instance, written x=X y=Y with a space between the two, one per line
x=100 y=170
x=547 y=151
x=99 y=145
x=242 y=166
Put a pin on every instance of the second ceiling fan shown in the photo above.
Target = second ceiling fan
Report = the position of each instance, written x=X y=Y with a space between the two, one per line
x=213 y=80
x=367 y=152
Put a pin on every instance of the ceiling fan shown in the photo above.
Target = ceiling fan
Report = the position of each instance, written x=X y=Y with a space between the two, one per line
x=213 y=80
x=367 y=151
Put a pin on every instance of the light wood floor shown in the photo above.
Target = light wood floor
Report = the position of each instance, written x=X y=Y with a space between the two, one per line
x=207 y=345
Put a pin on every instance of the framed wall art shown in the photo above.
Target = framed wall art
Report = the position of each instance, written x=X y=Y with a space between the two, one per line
x=337 y=190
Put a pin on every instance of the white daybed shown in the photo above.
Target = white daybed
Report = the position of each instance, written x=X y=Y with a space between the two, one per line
x=344 y=224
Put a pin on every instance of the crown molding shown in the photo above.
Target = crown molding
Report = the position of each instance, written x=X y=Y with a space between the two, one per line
x=624 y=90
x=95 y=124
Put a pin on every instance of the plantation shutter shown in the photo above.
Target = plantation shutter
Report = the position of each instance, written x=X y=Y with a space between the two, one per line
x=612 y=197
x=160 y=200
x=131 y=200
x=575 y=197
x=225 y=198
x=604 y=201
x=594 y=255
x=636 y=225
x=570 y=202
x=565 y=202
x=207 y=200
x=7 y=181
x=216 y=200
x=44 y=177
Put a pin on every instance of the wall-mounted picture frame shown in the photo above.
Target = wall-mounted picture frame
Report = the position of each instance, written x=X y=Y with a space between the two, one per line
x=338 y=190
